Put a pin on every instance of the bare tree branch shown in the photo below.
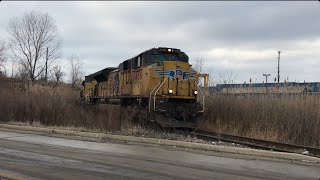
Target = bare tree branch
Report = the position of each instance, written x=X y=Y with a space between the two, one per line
x=76 y=70
x=198 y=65
x=31 y=35
x=228 y=76
x=57 y=74
x=2 y=54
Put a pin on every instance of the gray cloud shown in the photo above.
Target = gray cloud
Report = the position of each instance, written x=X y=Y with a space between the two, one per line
x=242 y=36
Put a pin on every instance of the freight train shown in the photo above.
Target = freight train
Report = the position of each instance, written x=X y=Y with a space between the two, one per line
x=160 y=82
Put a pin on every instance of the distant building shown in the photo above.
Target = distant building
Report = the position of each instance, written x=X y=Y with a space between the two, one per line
x=253 y=88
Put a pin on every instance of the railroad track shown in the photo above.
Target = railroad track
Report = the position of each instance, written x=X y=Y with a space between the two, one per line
x=253 y=143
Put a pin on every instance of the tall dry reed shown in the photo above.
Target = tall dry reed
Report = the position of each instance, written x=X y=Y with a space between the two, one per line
x=284 y=118
x=289 y=118
x=57 y=106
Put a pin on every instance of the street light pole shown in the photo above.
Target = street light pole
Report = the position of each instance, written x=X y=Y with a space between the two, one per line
x=266 y=75
x=279 y=66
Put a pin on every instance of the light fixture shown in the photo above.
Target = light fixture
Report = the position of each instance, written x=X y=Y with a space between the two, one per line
x=170 y=91
x=195 y=92
x=169 y=50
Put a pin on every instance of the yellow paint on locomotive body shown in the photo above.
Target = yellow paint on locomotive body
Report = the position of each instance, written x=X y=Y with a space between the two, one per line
x=103 y=89
x=124 y=83
x=89 y=88
x=179 y=78
x=165 y=78
x=113 y=85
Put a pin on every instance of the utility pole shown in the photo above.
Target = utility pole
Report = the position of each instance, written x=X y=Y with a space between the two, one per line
x=279 y=66
x=266 y=75
x=46 y=70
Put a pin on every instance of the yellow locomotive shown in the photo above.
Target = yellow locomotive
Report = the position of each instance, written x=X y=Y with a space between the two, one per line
x=159 y=81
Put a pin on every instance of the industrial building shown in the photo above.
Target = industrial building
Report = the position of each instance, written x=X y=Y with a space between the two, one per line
x=256 y=88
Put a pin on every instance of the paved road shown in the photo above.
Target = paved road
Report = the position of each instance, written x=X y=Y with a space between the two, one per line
x=36 y=156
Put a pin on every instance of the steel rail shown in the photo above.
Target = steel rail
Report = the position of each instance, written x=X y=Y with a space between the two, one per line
x=254 y=143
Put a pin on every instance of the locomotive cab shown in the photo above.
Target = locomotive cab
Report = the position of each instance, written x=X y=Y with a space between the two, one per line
x=173 y=88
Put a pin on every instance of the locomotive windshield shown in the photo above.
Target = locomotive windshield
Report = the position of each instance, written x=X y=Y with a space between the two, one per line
x=154 y=58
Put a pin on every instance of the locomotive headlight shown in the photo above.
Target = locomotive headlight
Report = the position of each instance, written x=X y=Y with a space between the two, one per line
x=170 y=91
x=195 y=92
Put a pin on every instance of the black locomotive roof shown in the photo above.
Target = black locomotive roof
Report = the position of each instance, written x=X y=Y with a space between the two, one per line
x=162 y=50
x=101 y=75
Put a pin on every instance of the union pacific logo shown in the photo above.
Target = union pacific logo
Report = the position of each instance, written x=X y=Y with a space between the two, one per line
x=175 y=74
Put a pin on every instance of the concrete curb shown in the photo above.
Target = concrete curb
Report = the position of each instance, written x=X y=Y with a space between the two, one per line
x=217 y=148
x=10 y=177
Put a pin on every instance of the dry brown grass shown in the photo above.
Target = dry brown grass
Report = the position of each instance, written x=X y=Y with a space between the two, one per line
x=284 y=118
x=57 y=106
x=60 y=107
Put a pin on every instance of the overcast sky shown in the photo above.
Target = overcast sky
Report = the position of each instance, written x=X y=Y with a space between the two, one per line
x=241 y=36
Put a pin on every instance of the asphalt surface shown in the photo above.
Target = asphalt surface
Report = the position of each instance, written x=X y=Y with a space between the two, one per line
x=28 y=155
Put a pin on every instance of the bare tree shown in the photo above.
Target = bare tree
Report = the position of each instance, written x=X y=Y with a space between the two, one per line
x=2 y=54
x=227 y=77
x=34 y=42
x=57 y=74
x=21 y=73
x=198 y=64
x=211 y=79
x=76 y=70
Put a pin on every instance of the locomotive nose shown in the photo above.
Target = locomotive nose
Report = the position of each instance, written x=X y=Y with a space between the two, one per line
x=178 y=81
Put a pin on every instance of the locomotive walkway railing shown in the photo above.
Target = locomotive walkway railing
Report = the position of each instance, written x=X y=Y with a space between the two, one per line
x=202 y=98
x=151 y=95
x=155 y=90
x=154 y=98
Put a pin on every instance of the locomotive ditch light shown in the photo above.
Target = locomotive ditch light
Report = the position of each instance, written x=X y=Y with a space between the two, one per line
x=170 y=91
x=195 y=92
